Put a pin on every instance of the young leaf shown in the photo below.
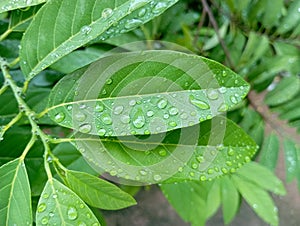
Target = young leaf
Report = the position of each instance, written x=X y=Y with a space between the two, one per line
x=58 y=205
x=291 y=19
x=262 y=177
x=97 y=192
x=54 y=34
x=220 y=148
x=7 y=5
x=188 y=199
x=184 y=90
x=291 y=159
x=15 y=199
x=259 y=200
x=269 y=152
x=230 y=199
x=213 y=198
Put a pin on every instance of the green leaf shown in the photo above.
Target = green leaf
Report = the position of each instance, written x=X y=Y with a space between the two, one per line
x=47 y=40
x=220 y=148
x=20 y=19
x=184 y=90
x=7 y=5
x=15 y=200
x=261 y=176
x=291 y=19
x=285 y=90
x=213 y=200
x=58 y=205
x=214 y=40
x=291 y=159
x=188 y=199
x=273 y=10
x=230 y=199
x=97 y=192
x=269 y=152
x=259 y=200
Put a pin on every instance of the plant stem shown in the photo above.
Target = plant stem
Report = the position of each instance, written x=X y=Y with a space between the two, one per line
x=11 y=123
x=5 y=34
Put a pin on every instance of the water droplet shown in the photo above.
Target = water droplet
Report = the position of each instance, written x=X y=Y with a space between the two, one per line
x=138 y=119
x=133 y=23
x=212 y=94
x=159 y=7
x=166 y=116
x=132 y=102
x=85 y=128
x=106 y=12
x=172 y=123
x=85 y=30
x=101 y=132
x=45 y=220
x=224 y=73
x=194 y=165
x=192 y=174
x=142 y=12
x=200 y=158
x=118 y=109
x=82 y=106
x=81 y=223
x=113 y=172
x=198 y=103
x=109 y=81
x=247 y=159
x=137 y=4
x=69 y=107
x=162 y=103
x=228 y=163
x=143 y=172
x=223 y=89
x=184 y=115
x=45 y=195
x=203 y=178
x=173 y=111
x=80 y=116
x=59 y=117
x=54 y=196
x=224 y=170
x=147 y=132
x=72 y=213
x=125 y=119
x=106 y=119
x=223 y=107
x=162 y=152
x=210 y=171
x=41 y=207
x=233 y=100
x=150 y=113
x=157 y=177
x=230 y=152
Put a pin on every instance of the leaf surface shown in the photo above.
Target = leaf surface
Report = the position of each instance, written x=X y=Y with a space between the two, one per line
x=98 y=192
x=58 y=205
x=7 y=5
x=15 y=199
x=144 y=93
x=62 y=26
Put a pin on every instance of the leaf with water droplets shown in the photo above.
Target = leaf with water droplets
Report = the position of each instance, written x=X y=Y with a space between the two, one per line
x=221 y=147
x=98 y=192
x=58 y=205
x=15 y=198
x=145 y=93
x=7 y=5
x=53 y=34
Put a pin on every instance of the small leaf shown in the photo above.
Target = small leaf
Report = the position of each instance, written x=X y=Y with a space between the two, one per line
x=291 y=19
x=291 y=159
x=262 y=177
x=259 y=200
x=7 y=5
x=47 y=40
x=285 y=90
x=194 y=89
x=230 y=199
x=15 y=199
x=97 y=192
x=213 y=198
x=269 y=152
x=58 y=205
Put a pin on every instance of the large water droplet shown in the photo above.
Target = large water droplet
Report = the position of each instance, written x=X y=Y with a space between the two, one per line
x=118 y=109
x=162 y=103
x=173 y=111
x=85 y=30
x=80 y=116
x=101 y=132
x=106 y=12
x=142 y=12
x=198 y=103
x=159 y=7
x=106 y=119
x=85 y=128
x=212 y=94
x=157 y=177
x=99 y=107
x=41 y=207
x=72 y=213
x=59 y=117
x=133 y=23
x=233 y=100
x=138 y=119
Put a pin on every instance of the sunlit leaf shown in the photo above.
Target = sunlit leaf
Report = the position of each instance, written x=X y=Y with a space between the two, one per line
x=98 y=192
x=7 y=5
x=46 y=41
x=185 y=90
x=15 y=200
x=58 y=205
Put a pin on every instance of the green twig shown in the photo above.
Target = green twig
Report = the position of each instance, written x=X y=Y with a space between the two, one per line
x=5 y=34
x=11 y=123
